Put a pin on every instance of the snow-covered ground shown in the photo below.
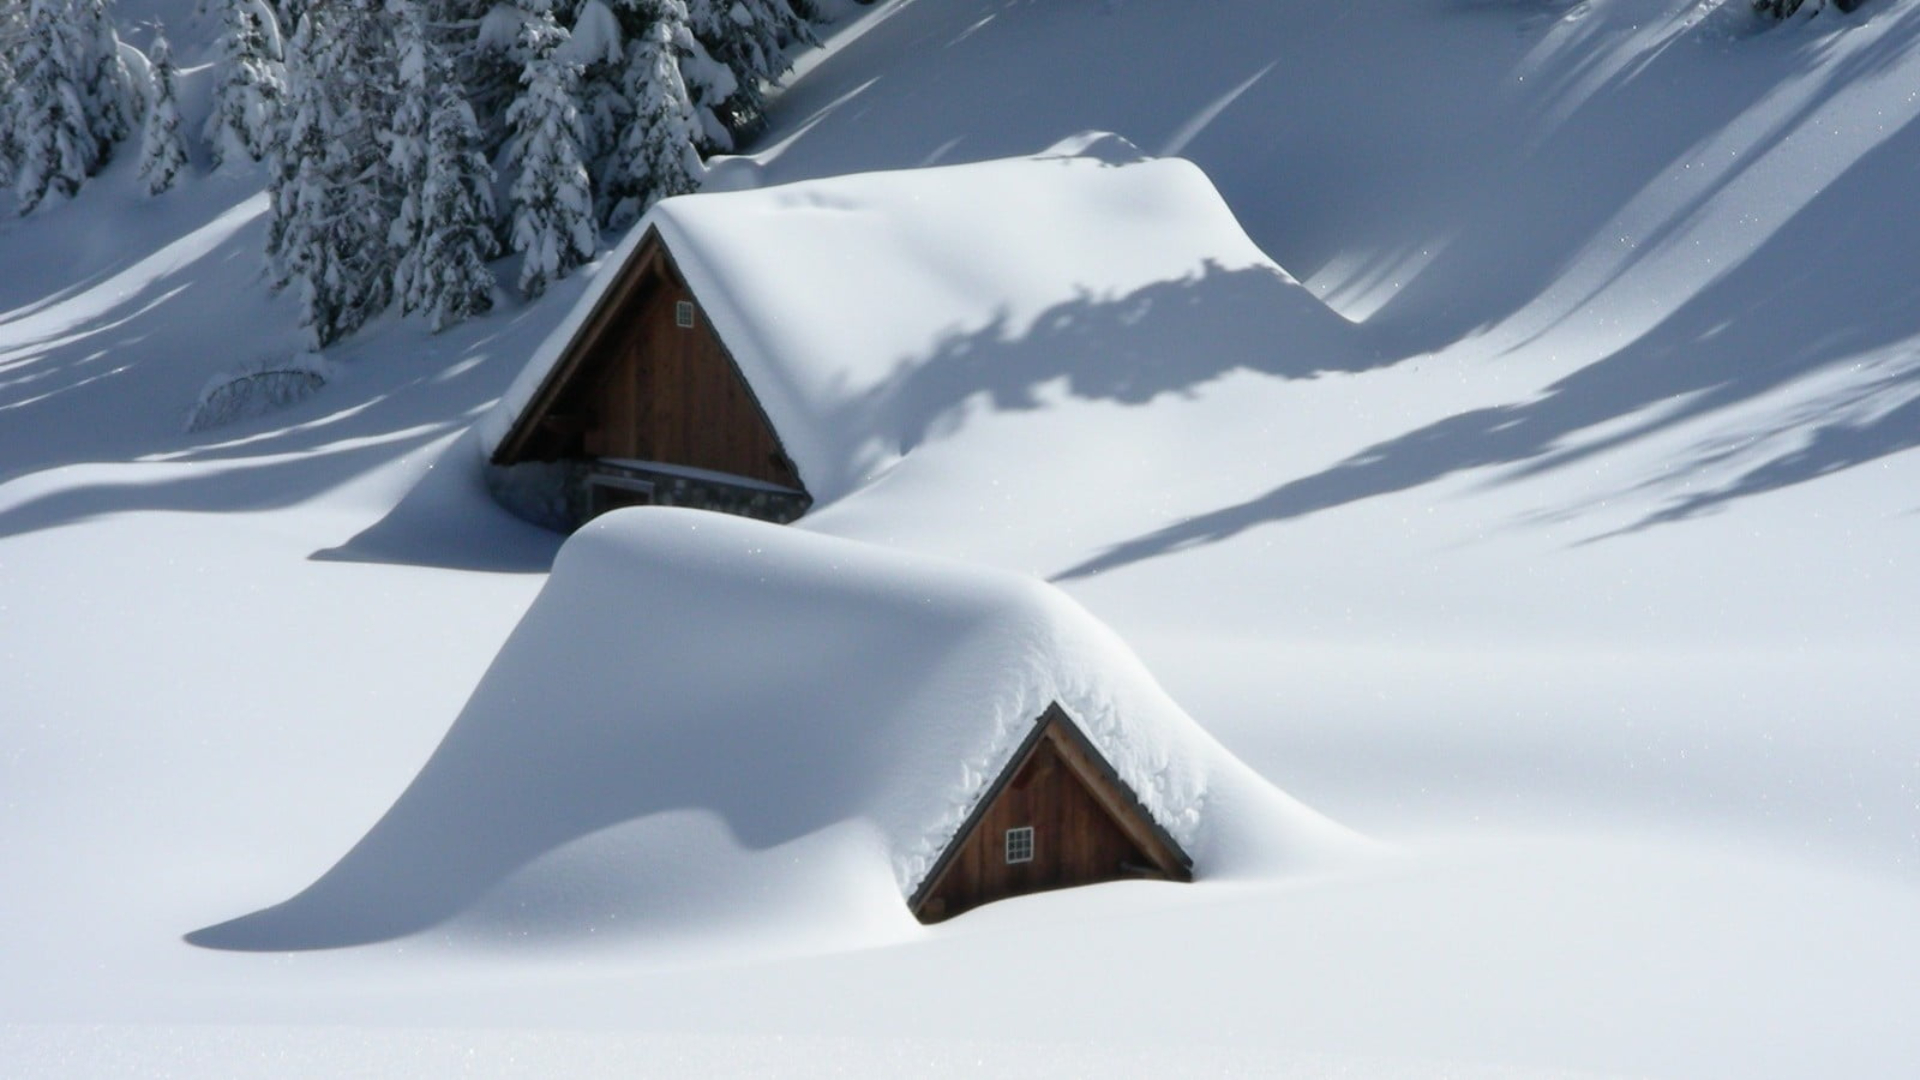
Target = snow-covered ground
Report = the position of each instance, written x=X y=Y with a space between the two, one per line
x=1586 y=588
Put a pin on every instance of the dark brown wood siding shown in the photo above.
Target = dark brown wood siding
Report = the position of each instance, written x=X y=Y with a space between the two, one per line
x=670 y=393
x=637 y=385
x=1077 y=837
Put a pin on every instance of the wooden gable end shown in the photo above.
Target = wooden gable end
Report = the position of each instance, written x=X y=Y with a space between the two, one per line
x=1057 y=817
x=648 y=379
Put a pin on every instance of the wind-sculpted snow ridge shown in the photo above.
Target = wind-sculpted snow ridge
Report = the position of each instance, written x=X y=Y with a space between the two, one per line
x=863 y=309
x=833 y=707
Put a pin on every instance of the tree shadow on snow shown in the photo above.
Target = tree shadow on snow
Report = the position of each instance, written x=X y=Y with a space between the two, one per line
x=1838 y=281
x=1432 y=189
x=1707 y=95
x=1170 y=337
x=139 y=341
x=366 y=420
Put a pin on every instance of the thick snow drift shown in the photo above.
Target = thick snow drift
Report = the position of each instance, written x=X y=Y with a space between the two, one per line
x=809 y=715
x=861 y=308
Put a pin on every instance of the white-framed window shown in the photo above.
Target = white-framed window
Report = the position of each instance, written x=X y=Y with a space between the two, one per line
x=1020 y=844
x=683 y=314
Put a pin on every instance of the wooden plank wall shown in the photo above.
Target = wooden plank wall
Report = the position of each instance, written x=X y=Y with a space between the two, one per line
x=1076 y=841
x=657 y=391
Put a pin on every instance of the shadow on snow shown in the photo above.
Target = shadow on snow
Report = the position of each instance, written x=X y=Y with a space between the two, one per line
x=1837 y=282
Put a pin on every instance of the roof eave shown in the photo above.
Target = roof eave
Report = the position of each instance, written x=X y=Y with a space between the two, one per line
x=611 y=299
x=1179 y=865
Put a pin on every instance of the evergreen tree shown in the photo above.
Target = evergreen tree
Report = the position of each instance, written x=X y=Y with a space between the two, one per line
x=355 y=62
x=482 y=38
x=290 y=12
x=162 y=155
x=332 y=194
x=251 y=83
x=406 y=147
x=552 y=200
x=106 y=86
x=712 y=86
x=56 y=149
x=805 y=13
x=656 y=156
x=597 y=45
x=454 y=281
x=1781 y=9
x=749 y=37
x=13 y=35
x=299 y=136
x=442 y=233
x=298 y=249
x=12 y=31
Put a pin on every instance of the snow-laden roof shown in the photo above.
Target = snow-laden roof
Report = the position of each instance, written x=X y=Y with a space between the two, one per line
x=831 y=293
x=814 y=695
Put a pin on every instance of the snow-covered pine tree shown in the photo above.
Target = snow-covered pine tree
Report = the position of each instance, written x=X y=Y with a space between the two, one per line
x=251 y=82
x=443 y=231
x=298 y=244
x=552 y=199
x=1781 y=9
x=68 y=98
x=405 y=141
x=12 y=33
x=289 y=12
x=357 y=63
x=296 y=134
x=163 y=156
x=797 y=19
x=749 y=37
x=481 y=37
x=656 y=157
x=597 y=45
x=107 y=85
x=454 y=281
x=296 y=181
x=56 y=149
x=332 y=193
x=806 y=13
x=710 y=85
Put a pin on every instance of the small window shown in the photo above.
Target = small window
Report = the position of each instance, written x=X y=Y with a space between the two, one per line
x=683 y=314
x=1020 y=844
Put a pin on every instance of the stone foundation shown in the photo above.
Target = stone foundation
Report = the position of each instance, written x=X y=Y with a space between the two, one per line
x=564 y=495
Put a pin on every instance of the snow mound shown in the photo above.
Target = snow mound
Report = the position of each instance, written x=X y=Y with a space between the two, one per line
x=859 y=307
x=707 y=718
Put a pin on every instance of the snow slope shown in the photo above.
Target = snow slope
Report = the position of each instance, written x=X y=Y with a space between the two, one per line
x=1592 y=593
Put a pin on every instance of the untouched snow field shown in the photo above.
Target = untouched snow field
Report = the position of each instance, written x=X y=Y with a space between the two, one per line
x=1585 y=588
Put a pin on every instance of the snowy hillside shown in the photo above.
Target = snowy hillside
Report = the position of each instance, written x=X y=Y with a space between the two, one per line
x=1582 y=583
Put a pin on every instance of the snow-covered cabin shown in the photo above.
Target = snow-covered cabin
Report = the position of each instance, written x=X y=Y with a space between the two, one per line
x=708 y=718
x=758 y=351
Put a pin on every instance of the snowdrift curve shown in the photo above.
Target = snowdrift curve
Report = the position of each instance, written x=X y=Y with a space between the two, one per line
x=707 y=720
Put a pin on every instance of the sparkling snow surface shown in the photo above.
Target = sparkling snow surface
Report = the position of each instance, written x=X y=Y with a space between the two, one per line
x=1585 y=583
